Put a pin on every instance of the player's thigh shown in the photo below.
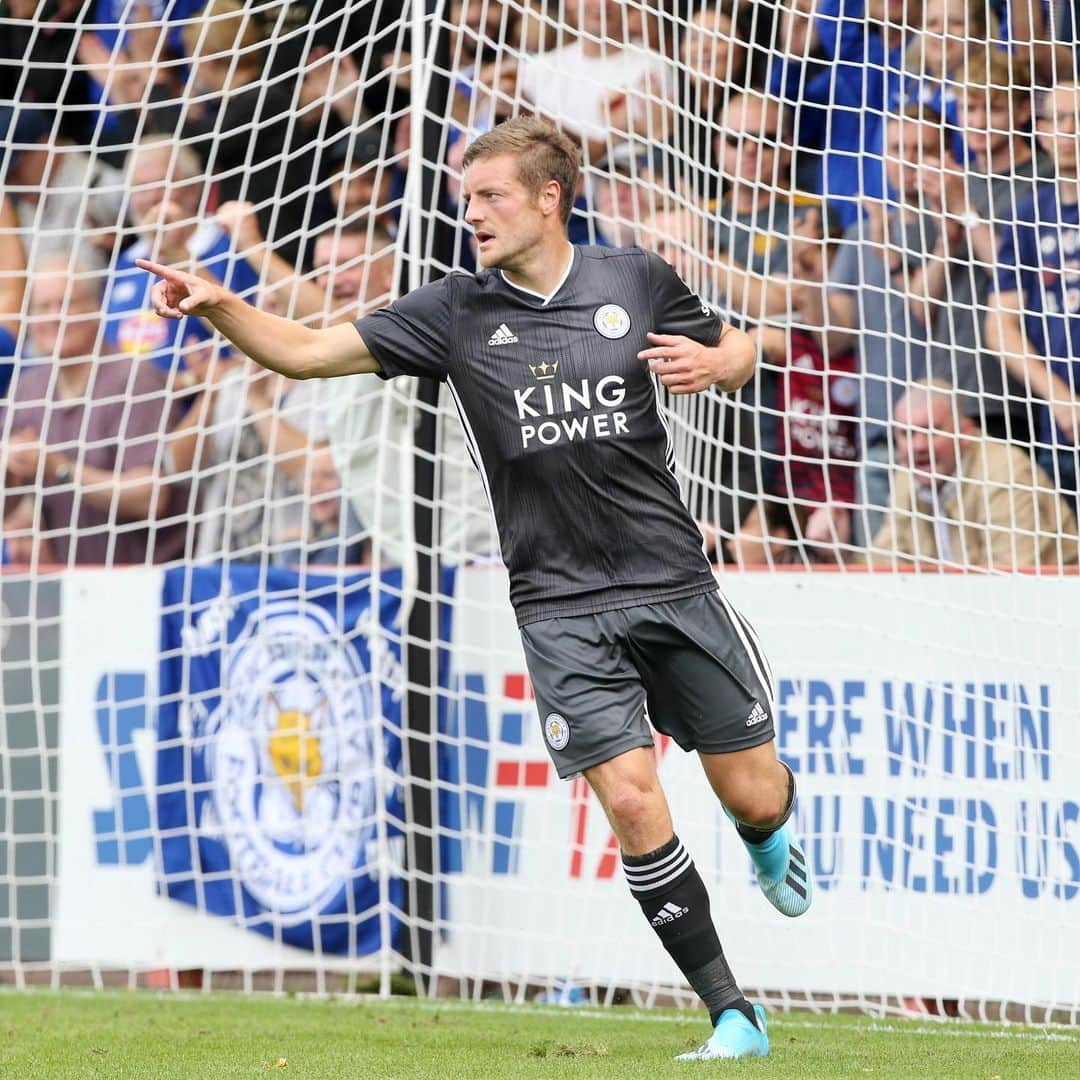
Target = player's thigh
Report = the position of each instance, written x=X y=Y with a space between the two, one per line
x=709 y=684
x=589 y=695
x=751 y=783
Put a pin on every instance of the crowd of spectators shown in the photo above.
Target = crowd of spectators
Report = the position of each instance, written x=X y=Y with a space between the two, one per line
x=886 y=195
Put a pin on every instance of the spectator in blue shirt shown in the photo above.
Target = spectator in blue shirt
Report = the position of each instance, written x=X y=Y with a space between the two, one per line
x=954 y=35
x=840 y=64
x=166 y=188
x=1034 y=318
x=132 y=54
x=116 y=22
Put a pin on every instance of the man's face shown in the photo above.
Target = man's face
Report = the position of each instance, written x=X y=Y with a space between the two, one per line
x=926 y=438
x=945 y=31
x=990 y=116
x=891 y=13
x=1058 y=129
x=324 y=489
x=63 y=326
x=749 y=150
x=349 y=274
x=150 y=187
x=504 y=216
x=475 y=25
x=797 y=27
x=913 y=151
x=610 y=19
x=213 y=74
x=622 y=202
x=361 y=193
x=709 y=49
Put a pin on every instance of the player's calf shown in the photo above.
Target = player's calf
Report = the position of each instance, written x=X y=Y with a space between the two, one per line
x=674 y=899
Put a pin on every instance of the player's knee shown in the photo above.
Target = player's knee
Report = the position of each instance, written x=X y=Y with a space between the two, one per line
x=761 y=808
x=632 y=809
x=761 y=799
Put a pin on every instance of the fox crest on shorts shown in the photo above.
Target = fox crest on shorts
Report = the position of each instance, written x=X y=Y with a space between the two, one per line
x=556 y=731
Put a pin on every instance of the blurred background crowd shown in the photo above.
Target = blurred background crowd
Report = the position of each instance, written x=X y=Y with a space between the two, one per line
x=885 y=194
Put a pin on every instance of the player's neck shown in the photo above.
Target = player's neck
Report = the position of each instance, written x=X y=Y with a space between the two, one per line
x=545 y=270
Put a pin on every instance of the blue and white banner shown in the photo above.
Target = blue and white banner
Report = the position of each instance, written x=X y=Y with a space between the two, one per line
x=278 y=753
x=932 y=724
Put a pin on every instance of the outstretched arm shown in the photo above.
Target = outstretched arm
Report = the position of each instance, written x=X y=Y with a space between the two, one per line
x=278 y=344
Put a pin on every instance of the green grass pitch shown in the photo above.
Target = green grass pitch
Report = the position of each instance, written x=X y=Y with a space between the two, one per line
x=162 y=1036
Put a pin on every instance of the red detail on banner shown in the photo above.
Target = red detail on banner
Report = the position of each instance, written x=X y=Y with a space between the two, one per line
x=609 y=861
x=523 y=774
x=517 y=687
x=579 y=795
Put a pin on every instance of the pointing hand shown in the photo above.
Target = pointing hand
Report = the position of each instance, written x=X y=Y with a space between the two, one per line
x=178 y=293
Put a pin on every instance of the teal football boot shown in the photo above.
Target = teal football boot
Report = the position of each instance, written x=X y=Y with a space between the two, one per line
x=782 y=871
x=733 y=1037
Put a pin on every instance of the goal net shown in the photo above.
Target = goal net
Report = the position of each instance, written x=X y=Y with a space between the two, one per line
x=266 y=720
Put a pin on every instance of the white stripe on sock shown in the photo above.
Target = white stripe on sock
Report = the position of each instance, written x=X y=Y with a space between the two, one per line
x=640 y=869
x=675 y=874
x=660 y=877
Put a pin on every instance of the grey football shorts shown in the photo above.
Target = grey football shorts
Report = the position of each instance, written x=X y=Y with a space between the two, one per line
x=692 y=667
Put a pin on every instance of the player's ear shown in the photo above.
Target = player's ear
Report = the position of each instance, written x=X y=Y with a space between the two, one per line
x=551 y=197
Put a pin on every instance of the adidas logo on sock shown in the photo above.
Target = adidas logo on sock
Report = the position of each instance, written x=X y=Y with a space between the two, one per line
x=503 y=336
x=757 y=715
x=669 y=913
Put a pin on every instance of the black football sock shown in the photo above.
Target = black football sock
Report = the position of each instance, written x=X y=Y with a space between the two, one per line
x=671 y=893
x=759 y=836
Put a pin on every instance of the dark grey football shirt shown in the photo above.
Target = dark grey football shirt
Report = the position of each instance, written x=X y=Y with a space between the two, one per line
x=564 y=422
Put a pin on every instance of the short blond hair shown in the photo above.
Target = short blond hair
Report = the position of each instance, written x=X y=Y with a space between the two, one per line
x=997 y=71
x=226 y=26
x=543 y=154
x=184 y=162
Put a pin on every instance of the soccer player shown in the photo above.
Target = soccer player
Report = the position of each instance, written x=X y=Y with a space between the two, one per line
x=552 y=354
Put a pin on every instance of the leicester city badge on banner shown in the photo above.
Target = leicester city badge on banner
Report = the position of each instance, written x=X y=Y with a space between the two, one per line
x=280 y=704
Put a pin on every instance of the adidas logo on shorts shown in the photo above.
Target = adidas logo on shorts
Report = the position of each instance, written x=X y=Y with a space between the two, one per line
x=503 y=336
x=757 y=715
x=669 y=913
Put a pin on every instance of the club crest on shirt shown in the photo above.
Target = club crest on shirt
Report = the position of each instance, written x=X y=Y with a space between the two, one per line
x=556 y=731
x=612 y=321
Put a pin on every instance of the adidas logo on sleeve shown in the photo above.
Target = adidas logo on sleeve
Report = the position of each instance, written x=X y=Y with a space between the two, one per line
x=503 y=336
